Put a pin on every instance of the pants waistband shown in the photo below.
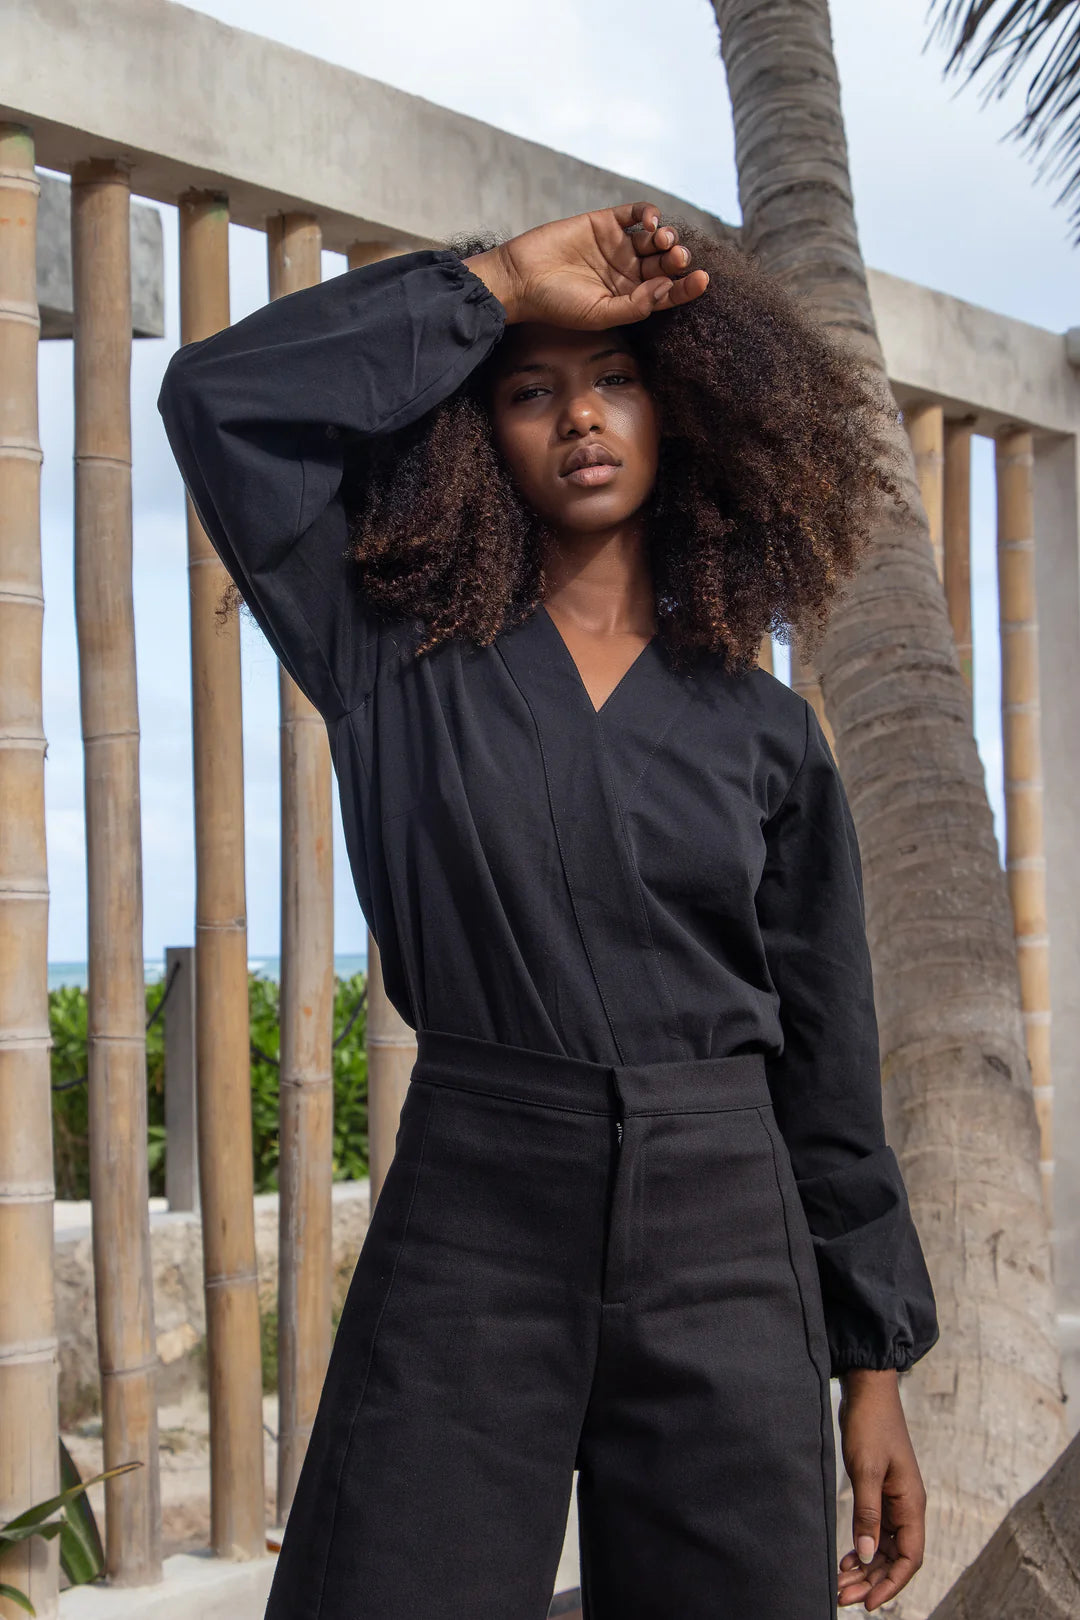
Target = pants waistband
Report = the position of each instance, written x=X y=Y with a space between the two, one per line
x=684 y=1086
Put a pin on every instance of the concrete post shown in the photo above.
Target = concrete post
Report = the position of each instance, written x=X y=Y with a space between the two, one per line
x=181 y=1110
x=926 y=429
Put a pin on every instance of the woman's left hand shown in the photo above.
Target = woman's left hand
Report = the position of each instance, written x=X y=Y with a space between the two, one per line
x=889 y=1514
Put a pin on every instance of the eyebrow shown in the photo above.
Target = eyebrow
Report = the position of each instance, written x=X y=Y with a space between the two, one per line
x=542 y=365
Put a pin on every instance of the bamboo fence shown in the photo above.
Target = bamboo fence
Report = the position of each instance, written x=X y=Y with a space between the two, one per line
x=223 y=1069
x=116 y=997
x=28 y=1364
x=294 y=243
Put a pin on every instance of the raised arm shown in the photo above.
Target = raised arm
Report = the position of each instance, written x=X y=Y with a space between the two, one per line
x=258 y=415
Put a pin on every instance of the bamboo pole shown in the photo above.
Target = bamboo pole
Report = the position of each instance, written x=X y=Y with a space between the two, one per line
x=391 y=1054
x=391 y=1043
x=116 y=999
x=28 y=1450
x=1025 y=860
x=956 y=539
x=222 y=1052
x=307 y=1003
x=926 y=429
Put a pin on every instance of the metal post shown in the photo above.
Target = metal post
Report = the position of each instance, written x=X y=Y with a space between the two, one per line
x=181 y=1110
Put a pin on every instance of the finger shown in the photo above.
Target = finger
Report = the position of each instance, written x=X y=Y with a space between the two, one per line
x=680 y=292
x=672 y=262
x=866 y=1511
x=894 y=1581
x=639 y=213
x=650 y=243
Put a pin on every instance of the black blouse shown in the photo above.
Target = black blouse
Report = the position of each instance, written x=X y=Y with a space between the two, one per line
x=673 y=876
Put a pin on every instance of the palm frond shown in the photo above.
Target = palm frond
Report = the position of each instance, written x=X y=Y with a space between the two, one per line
x=1036 y=43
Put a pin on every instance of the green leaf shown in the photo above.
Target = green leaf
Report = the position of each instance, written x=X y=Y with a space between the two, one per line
x=11 y=1534
x=20 y=1598
x=41 y=1510
x=82 y=1557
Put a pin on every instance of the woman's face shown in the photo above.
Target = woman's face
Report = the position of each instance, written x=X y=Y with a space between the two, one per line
x=576 y=425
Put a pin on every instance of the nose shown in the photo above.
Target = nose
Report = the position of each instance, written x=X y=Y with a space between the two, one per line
x=582 y=413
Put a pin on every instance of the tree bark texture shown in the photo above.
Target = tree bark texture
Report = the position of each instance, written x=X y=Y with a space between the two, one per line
x=1030 y=1568
x=985 y=1407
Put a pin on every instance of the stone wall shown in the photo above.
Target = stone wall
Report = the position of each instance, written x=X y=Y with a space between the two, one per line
x=176 y=1248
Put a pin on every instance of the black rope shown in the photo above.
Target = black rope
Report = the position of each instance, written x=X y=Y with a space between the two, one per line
x=256 y=1051
x=160 y=1008
x=69 y=1085
x=353 y=1016
x=275 y=1063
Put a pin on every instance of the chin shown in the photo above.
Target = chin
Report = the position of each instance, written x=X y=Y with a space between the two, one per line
x=591 y=514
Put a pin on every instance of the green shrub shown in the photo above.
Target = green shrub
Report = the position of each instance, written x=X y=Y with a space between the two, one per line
x=67 y=1019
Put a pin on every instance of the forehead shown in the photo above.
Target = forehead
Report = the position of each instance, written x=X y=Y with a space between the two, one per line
x=533 y=345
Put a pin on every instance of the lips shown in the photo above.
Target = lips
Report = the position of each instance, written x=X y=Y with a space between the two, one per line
x=588 y=455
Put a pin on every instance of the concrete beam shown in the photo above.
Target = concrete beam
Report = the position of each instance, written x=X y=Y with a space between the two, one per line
x=187 y=101
x=974 y=361
x=54 y=264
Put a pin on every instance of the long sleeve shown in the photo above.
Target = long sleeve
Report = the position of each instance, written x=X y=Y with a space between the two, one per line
x=826 y=1083
x=258 y=417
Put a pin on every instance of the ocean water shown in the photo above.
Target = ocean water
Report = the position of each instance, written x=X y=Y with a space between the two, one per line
x=267 y=967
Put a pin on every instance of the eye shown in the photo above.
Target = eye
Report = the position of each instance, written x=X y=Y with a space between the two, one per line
x=526 y=393
x=616 y=377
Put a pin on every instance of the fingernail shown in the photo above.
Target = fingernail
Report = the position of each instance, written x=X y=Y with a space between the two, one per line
x=865 y=1548
x=660 y=289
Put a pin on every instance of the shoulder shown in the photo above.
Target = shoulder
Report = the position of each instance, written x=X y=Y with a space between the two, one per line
x=755 y=718
x=765 y=706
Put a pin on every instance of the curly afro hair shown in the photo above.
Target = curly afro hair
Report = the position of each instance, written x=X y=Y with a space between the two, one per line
x=772 y=462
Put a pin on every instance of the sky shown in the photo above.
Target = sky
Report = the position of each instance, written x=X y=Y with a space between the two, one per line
x=940 y=197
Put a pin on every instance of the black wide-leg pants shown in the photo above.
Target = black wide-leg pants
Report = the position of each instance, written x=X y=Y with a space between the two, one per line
x=572 y=1265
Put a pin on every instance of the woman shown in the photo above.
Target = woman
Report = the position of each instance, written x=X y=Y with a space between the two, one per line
x=516 y=520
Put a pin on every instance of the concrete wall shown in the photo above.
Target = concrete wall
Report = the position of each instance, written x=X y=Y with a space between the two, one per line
x=179 y=1304
x=54 y=264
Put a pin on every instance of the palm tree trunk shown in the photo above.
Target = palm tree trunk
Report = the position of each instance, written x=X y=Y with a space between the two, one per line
x=1030 y=1568
x=985 y=1406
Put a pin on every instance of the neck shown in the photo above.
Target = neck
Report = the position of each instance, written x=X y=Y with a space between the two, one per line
x=601 y=582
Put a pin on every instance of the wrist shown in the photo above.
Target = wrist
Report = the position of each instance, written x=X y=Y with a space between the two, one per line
x=870 y=1381
x=494 y=271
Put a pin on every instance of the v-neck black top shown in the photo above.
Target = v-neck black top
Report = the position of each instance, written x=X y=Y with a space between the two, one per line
x=675 y=876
